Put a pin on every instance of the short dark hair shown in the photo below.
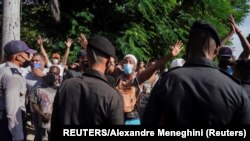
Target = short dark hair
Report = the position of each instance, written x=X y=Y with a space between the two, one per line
x=41 y=55
x=199 y=37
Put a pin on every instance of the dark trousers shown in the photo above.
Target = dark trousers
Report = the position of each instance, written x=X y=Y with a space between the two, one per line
x=24 y=125
x=5 y=134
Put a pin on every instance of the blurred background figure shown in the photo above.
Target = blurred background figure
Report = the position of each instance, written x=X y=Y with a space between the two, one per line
x=43 y=100
x=55 y=58
x=226 y=59
x=140 y=67
x=77 y=68
x=242 y=72
x=179 y=62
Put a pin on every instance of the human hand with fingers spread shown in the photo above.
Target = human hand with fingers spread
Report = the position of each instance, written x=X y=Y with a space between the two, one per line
x=83 y=41
x=69 y=42
x=40 y=40
x=232 y=28
x=175 y=50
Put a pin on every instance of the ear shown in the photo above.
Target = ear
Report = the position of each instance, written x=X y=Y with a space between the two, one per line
x=19 y=58
x=216 y=50
x=108 y=62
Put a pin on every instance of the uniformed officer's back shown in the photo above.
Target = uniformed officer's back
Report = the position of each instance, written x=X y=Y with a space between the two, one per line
x=89 y=100
x=92 y=99
x=198 y=93
x=205 y=96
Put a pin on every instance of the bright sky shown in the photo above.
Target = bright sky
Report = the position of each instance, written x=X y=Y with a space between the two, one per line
x=245 y=28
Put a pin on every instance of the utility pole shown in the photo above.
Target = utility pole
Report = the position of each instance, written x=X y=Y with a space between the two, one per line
x=11 y=22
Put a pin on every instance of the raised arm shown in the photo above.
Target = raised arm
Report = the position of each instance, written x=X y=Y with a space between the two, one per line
x=245 y=44
x=83 y=41
x=68 y=44
x=148 y=72
x=44 y=53
x=229 y=35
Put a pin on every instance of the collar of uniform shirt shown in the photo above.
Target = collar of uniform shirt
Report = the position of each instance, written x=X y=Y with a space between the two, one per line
x=200 y=61
x=96 y=74
x=13 y=66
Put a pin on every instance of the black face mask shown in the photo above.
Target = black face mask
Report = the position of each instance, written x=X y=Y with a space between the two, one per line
x=26 y=64
x=225 y=62
x=50 y=79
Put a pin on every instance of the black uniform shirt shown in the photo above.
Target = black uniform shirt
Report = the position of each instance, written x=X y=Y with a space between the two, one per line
x=246 y=85
x=89 y=100
x=198 y=94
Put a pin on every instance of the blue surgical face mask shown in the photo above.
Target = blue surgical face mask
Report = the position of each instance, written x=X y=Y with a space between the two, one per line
x=37 y=65
x=127 y=69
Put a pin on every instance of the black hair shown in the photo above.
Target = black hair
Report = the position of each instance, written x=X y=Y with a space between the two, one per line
x=199 y=38
x=41 y=55
x=94 y=56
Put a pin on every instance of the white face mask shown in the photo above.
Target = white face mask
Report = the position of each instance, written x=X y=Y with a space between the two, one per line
x=55 y=61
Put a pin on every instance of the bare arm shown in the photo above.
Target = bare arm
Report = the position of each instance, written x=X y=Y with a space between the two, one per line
x=148 y=72
x=68 y=44
x=44 y=53
x=83 y=41
x=245 y=44
x=229 y=35
x=39 y=112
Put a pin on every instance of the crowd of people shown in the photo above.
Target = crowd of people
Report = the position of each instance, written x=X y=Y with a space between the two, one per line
x=99 y=89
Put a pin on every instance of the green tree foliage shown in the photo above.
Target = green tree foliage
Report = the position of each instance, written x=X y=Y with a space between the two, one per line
x=145 y=28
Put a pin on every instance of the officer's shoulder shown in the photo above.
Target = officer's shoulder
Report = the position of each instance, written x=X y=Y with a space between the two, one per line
x=15 y=71
x=236 y=80
x=73 y=80
x=9 y=70
x=170 y=70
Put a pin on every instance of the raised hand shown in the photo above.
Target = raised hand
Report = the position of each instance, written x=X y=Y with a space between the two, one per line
x=69 y=42
x=232 y=23
x=83 y=41
x=232 y=28
x=175 y=50
x=40 y=40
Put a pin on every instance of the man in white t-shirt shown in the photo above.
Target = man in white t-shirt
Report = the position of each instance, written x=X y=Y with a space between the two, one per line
x=33 y=80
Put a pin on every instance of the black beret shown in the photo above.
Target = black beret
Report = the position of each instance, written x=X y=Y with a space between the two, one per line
x=16 y=46
x=204 y=26
x=102 y=44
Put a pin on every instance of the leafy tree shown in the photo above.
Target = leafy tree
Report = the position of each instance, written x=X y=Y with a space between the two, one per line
x=146 y=28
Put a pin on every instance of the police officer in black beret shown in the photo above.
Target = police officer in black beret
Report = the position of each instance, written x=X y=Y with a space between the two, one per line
x=13 y=90
x=198 y=93
x=90 y=100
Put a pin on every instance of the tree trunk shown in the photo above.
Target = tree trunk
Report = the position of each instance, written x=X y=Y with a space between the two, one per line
x=11 y=22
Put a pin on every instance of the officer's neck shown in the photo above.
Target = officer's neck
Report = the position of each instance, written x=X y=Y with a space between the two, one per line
x=17 y=63
x=99 y=68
